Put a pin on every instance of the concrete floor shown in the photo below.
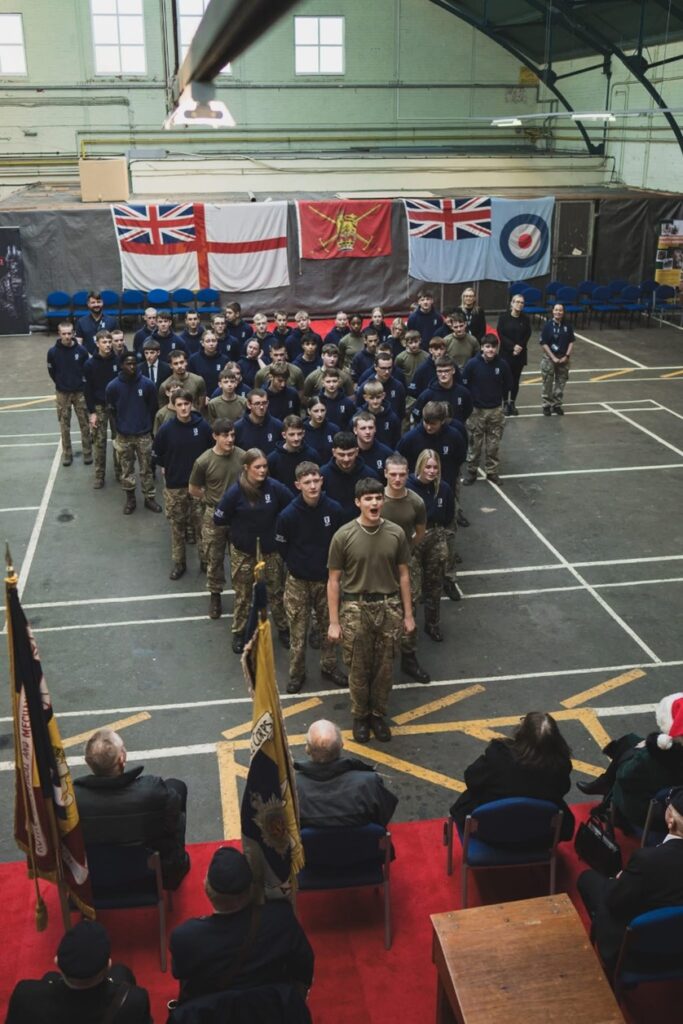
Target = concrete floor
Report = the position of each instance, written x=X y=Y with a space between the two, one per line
x=572 y=578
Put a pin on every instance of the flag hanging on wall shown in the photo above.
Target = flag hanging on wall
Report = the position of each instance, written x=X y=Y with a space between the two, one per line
x=46 y=822
x=520 y=239
x=231 y=247
x=347 y=228
x=448 y=239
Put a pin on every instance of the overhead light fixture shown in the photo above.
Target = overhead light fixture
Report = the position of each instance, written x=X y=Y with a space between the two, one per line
x=197 y=107
x=506 y=122
x=604 y=116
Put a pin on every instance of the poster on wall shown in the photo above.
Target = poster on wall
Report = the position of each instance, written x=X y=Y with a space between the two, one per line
x=13 y=307
x=669 y=259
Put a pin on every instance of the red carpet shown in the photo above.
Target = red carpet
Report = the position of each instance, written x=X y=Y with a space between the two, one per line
x=355 y=978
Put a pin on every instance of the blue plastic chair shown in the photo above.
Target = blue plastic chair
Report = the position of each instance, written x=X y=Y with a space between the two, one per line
x=617 y=286
x=533 y=302
x=112 y=302
x=347 y=858
x=128 y=876
x=632 y=303
x=514 y=832
x=207 y=301
x=603 y=305
x=183 y=300
x=569 y=296
x=516 y=288
x=551 y=290
x=665 y=300
x=58 y=307
x=79 y=302
x=132 y=303
x=160 y=299
x=652 y=949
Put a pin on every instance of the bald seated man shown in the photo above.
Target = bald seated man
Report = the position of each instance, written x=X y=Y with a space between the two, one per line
x=117 y=804
x=336 y=790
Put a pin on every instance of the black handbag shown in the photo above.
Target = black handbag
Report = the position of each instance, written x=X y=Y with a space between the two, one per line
x=596 y=845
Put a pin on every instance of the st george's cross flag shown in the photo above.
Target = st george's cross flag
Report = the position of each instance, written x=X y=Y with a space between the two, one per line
x=520 y=238
x=448 y=239
x=238 y=247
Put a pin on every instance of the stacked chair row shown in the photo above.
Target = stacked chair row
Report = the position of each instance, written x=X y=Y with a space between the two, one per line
x=611 y=302
x=132 y=303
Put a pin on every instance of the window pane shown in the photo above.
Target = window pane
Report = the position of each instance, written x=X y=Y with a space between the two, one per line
x=105 y=30
x=307 y=60
x=10 y=30
x=188 y=27
x=133 y=60
x=131 y=30
x=103 y=6
x=305 y=31
x=107 y=60
x=190 y=7
x=12 y=60
x=130 y=6
x=331 y=31
x=332 y=60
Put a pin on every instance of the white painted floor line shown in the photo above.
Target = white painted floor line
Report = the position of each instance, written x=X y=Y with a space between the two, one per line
x=127 y=622
x=24 y=398
x=40 y=519
x=668 y=323
x=612 y=352
x=21 y=508
x=555 y=567
x=616 y=401
x=305 y=694
x=577 y=412
x=42 y=433
x=14 y=412
x=626 y=710
x=665 y=408
x=29 y=444
x=628 y=561
x=577 y=575
x=644 y=430
x=135 y=599
x=584 y=472
x=560 y=590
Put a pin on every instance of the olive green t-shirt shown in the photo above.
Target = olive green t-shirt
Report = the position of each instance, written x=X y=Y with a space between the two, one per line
x=192 y=382
x=215 y=473
x=461 y=349
x=220 y=408
x=407 y=512
x=295 y=379
x=349 y=346
x=369 y=561
x=314 y=383
x=162 y=416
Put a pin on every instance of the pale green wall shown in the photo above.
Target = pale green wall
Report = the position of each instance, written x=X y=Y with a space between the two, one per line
x=440 y=64
x=645 y=151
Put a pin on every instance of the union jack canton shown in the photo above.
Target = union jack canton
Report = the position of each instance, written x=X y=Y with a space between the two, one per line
x=449 y=219
x=151 y=227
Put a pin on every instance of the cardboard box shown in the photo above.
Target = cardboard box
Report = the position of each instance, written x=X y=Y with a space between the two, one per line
x=105 y=180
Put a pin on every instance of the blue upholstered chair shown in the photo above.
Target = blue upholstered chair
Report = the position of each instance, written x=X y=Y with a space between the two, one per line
x=652 y=949
x=207 y=301
x=132 y=303
x=58 y=307
x=112 y=302
x=128 y=876
x=160 y=299
x=513 y=832
x=348 y=858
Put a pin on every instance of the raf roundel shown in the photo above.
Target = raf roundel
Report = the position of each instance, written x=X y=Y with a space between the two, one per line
x=524 y=240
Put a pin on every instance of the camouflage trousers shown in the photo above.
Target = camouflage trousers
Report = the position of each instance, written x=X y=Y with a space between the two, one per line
x=182 y=510
x=301 y=598
x=486 y=430
x=242 y=573
x=431 y=558
x=409 y=640
x=555 y=376
x=215 y=541
x=128 y=447
x=105 y=419
x=66 y=400
x=371 y=633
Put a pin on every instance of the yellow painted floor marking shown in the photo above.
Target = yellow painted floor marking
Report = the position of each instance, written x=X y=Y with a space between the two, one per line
x=24 y=405
x=534 y=380
x=122 y=723
x=437 y=705
x=586 y=768
x=614 y=373
x=668 y=376
x=479 y=732
x=294 y=709
x=404 y=766
x=594 y=726
x=597 y=691
x=230 y=803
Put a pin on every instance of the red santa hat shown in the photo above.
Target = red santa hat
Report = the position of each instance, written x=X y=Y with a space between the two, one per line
x=669 y=715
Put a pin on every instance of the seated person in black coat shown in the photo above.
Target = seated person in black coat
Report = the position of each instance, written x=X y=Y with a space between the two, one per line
x=535 y=763
x=653 y=878
x=336 y=791
x=85 y=989
x=243 y=944
x=116 y=805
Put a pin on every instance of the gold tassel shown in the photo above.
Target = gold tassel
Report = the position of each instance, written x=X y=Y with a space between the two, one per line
x=41 y=914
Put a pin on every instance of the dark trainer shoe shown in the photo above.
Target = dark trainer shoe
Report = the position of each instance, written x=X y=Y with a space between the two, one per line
x=237 y=643
x=294 y=685
x=335 y=676
x=450 y=589
x=558 y=410
x=411 y=666
x=152 y=505
x=130 y=505
x=361 y=730
x=380 y=728
x=215 y=606
x=177 y=571
x=461 y=519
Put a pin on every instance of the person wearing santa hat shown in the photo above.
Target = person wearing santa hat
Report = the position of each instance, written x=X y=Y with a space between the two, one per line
x=640 y=767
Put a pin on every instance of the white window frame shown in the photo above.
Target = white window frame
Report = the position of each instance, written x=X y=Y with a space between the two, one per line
x=119 y=13
x=183 y=47
x=317 y=47
x=20 y=46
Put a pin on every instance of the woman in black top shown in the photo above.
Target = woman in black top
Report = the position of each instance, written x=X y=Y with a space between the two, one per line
x=535 y=763
x=475 y=317
x=514 y=331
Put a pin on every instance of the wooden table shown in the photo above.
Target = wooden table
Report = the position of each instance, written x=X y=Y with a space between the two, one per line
x=528 y=961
